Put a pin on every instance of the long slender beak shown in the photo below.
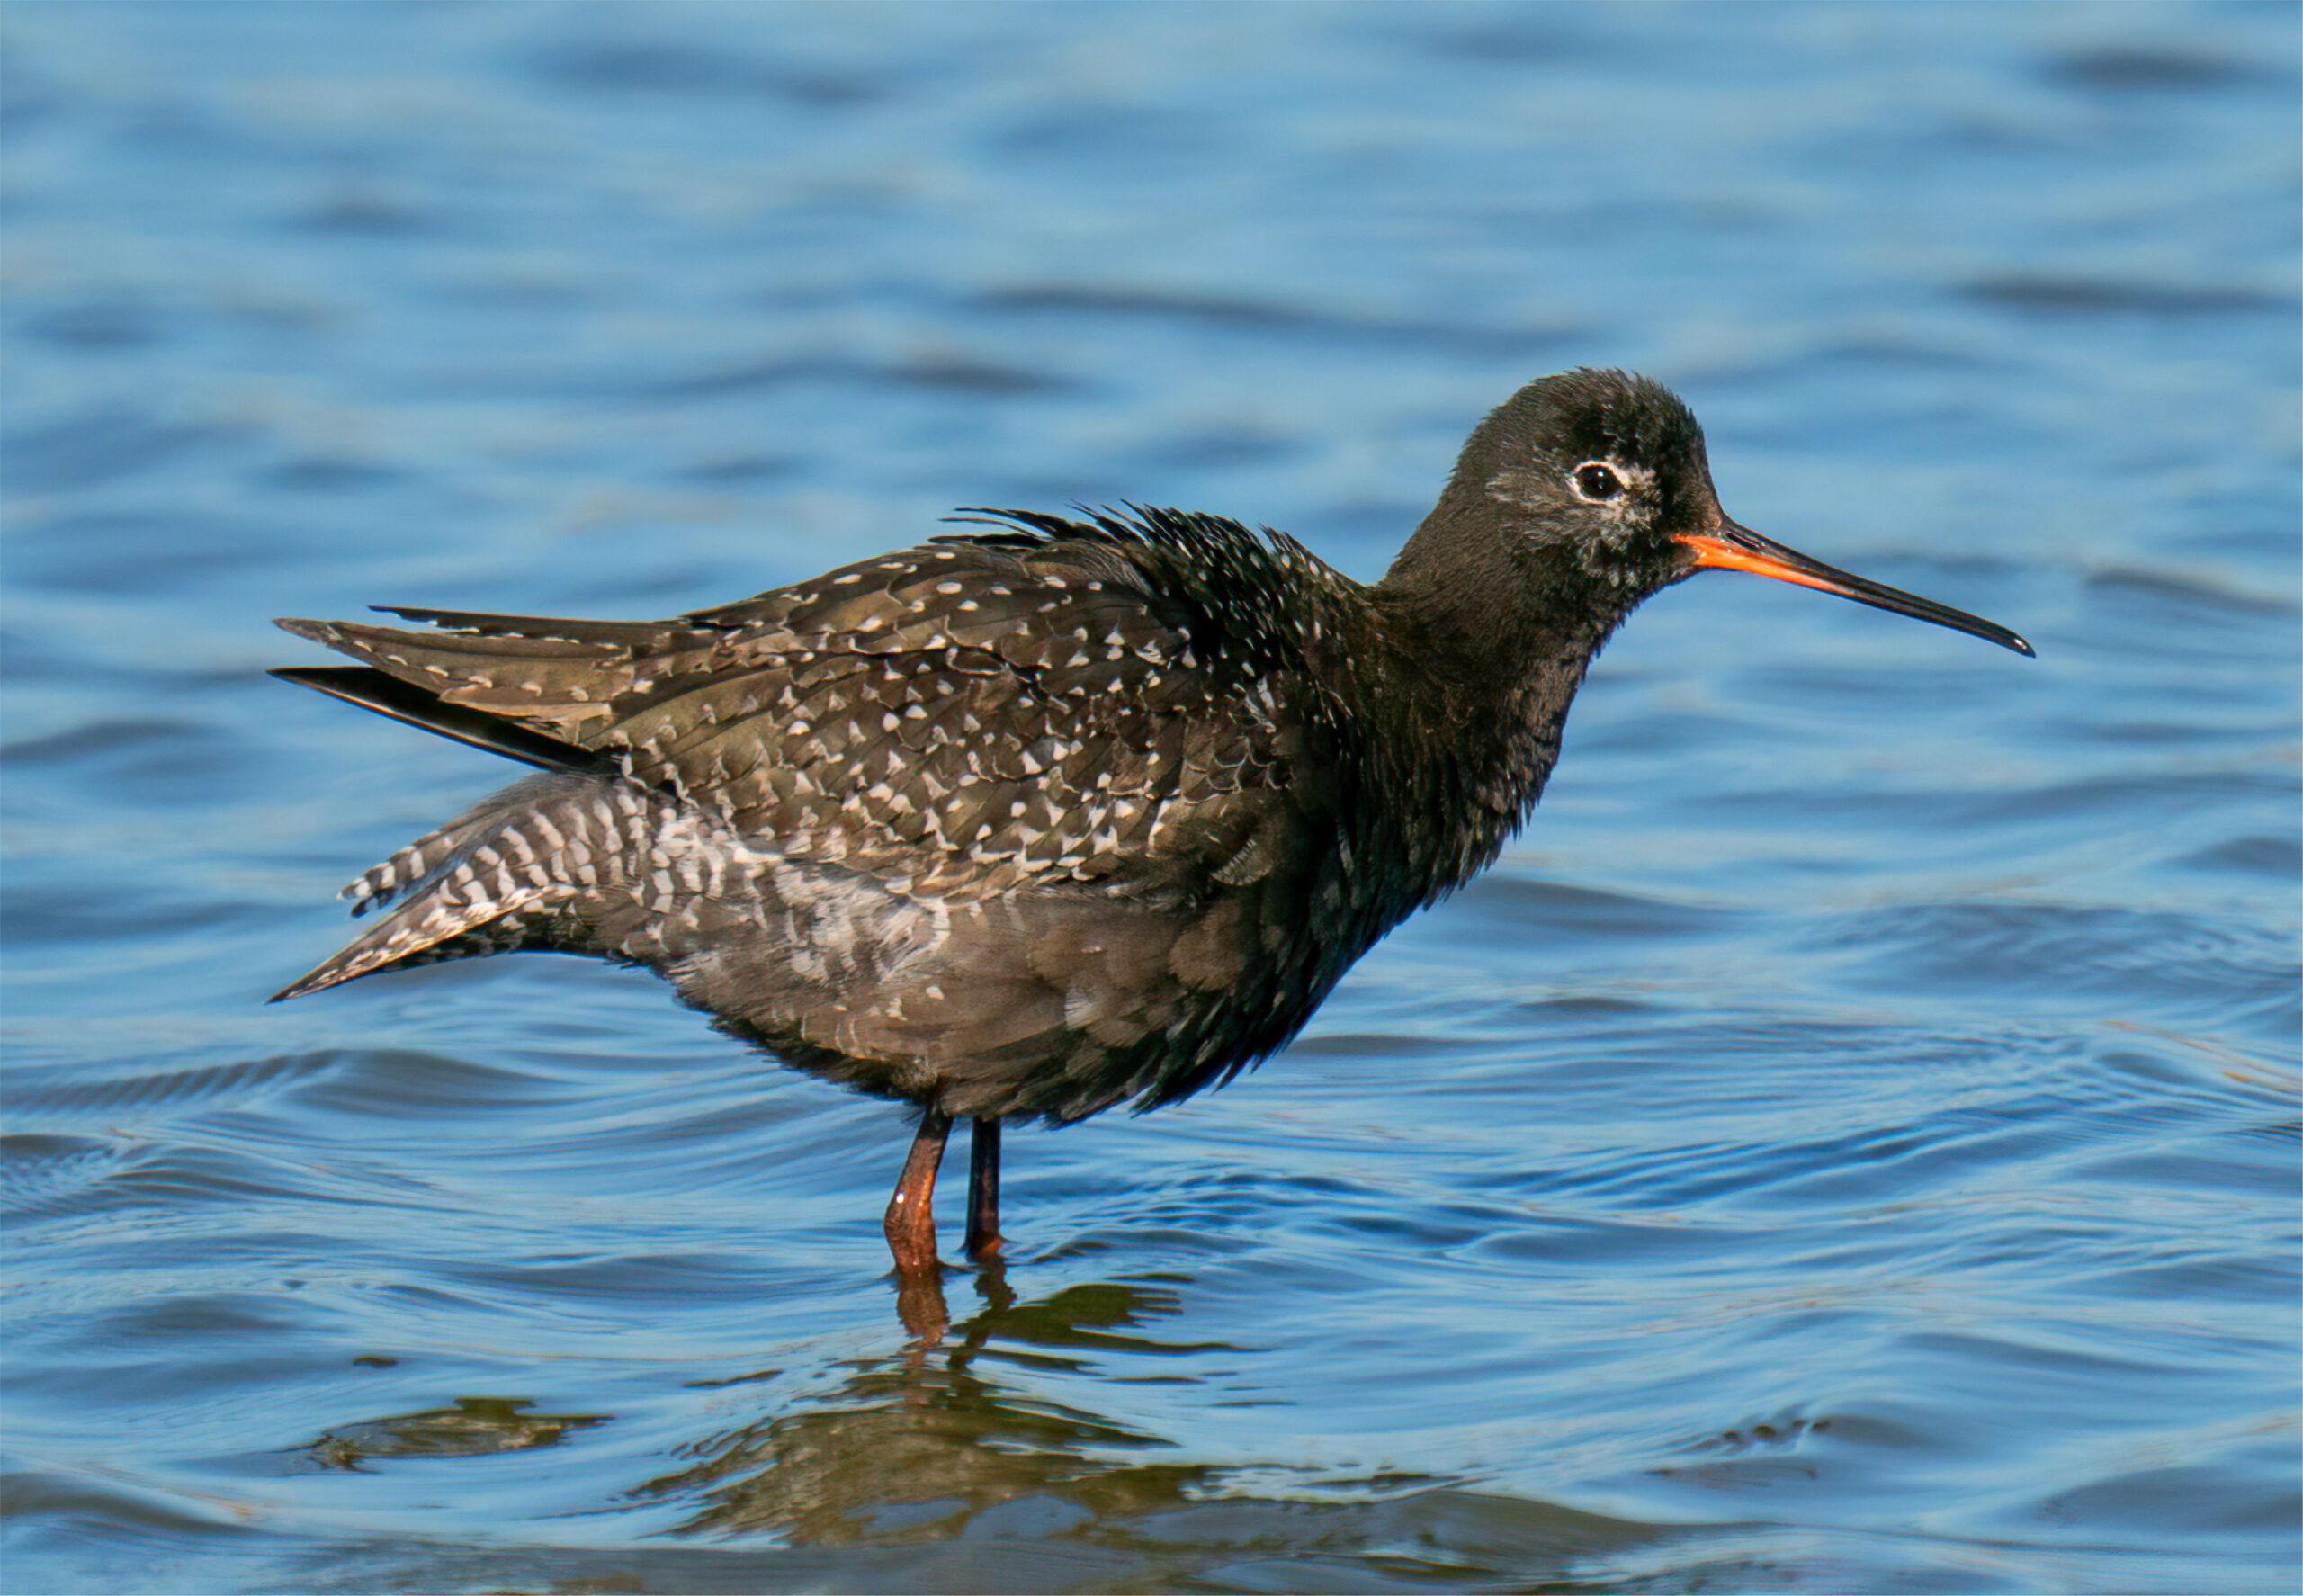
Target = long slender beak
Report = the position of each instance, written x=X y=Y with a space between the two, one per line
x=1739 y=548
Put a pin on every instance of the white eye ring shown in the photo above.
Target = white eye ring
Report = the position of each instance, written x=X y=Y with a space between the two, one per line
x=1595 y=482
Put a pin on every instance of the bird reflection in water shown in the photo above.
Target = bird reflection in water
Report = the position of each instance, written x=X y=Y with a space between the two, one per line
x=919 y=1299
x=476 y=1426
x=906 y=1447
x=913 y=1444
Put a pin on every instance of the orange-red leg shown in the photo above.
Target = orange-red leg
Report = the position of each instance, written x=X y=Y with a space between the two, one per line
x=910 y=1223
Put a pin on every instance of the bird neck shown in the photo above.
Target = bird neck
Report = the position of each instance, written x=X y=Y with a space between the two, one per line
x=1494 y=613
x=1486 y=641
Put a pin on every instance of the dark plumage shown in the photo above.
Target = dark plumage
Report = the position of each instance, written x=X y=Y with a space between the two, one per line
x=1060 y=814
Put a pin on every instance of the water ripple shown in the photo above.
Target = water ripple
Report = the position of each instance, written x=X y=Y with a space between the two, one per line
x=1850 y=1141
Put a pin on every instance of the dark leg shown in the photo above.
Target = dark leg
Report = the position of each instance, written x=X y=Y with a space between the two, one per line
x=910 y=1223
x=983 y=1192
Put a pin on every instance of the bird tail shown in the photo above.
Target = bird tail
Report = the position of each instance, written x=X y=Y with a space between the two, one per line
x=413 y=705
x=533 y=846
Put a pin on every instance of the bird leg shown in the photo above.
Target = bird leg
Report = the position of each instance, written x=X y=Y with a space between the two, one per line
x=985 y=1240
x=910 y=1221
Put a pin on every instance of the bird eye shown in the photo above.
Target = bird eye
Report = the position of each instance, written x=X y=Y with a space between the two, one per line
x=1596 y=482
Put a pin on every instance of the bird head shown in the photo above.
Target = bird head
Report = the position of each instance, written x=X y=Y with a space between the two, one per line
x=1599 y=488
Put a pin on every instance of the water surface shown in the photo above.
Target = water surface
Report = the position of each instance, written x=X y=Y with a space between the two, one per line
x=1848 y=1143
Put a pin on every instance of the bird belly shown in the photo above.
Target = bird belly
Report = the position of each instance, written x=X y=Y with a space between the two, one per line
x=1050 y=1004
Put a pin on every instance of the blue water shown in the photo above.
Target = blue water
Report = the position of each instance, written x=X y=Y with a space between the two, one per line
x=1848 y=1143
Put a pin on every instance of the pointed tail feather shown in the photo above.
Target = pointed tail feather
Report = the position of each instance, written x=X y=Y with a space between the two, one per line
x=548 y=840
x=372 y=689
x=431 y=917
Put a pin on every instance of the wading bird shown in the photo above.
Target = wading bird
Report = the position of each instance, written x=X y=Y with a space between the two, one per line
x=1057 y=814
